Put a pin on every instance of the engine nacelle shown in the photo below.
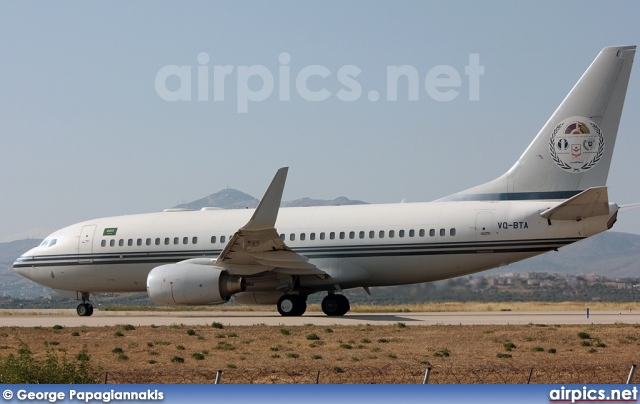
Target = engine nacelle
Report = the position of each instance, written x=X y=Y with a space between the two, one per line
x=191 y=284
x=257 y=297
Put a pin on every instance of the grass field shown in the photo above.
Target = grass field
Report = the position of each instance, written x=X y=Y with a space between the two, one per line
x=398 y=353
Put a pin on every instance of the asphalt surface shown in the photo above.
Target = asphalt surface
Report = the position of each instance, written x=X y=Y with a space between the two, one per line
x=69 y=318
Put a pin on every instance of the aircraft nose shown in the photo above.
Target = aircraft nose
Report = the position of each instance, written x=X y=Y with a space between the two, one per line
x=21 y=266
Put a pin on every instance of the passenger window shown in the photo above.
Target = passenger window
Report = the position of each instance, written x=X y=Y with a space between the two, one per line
x=432 y=232
x=148 y=241
x=167 y=240
x=157 y=241
x=130 y=242
x=222 y=239
x=381 y=234
x=139 y=242
x=412 y=233
x=302 y=236
x=176 y=240
x=452 y=232
x=322 y=236
x=352 y=234
x=401 y=233
x=112 y=243
x=442 y=232
x=422 y=233
x=185 y=240
x=312 y=236
x=103 y=243
x=194 y=240
x=372 y=234
x=361 y=235
x=392 y=233
x=292 y=237
x=282 y=237
x=332 y=235
x=121 y=243
x=341 y=235
x=213 y=239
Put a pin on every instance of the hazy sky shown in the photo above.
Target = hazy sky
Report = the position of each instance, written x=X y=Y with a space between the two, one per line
x=86 y=131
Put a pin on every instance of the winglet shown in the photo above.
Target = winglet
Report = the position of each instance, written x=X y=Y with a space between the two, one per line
x=267 y=211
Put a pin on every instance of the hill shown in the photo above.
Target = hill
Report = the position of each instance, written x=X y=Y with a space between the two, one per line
x=227 y=199
x=234 y=199
x=611 y=254
x=13 y=249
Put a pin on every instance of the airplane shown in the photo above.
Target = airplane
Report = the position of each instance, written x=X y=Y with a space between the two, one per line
x=554 y=195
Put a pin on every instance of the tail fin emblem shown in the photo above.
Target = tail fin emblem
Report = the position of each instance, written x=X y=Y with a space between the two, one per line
x=587 y=144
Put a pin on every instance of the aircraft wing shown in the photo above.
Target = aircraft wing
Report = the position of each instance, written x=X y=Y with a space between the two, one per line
x=256 y=247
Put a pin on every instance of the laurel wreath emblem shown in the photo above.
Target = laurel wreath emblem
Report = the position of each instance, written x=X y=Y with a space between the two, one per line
x=586 y=166
x=600 y=148
x=552 y=149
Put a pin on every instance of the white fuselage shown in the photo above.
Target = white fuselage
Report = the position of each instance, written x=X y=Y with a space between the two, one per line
x=358 y=246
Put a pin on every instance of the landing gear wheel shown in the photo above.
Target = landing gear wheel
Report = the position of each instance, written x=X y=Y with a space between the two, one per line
x=84 y=309
x=335 y=305
x=292 y=305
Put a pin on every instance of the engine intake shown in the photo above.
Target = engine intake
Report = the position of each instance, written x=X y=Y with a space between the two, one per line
x=186 y=283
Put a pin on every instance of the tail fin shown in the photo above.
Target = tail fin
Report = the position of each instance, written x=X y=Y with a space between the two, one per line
x=572 y=152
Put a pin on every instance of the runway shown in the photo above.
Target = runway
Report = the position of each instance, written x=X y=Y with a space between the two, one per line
x=69 y=318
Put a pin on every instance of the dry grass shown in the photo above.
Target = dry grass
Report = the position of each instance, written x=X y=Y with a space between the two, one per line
x=142 y=352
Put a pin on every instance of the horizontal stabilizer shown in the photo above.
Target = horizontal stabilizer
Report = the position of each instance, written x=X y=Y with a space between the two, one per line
x=592 y=202
x=632 y=206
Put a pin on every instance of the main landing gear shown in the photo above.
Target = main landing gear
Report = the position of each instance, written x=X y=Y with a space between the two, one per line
x=85 y=308
x=296 y=305
x=335 y=305
x=292 y=305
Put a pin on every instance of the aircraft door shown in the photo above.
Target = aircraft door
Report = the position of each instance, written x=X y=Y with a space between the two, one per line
x=484 y=225
x=85 y=243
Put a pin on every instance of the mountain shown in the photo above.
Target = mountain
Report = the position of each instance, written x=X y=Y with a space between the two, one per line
x=610 y=254
x=227 y=198
x=234 y=199
x=12 y=284
x=13 y=249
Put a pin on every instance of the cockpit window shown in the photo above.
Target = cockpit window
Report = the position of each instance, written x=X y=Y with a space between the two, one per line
x=49 y=243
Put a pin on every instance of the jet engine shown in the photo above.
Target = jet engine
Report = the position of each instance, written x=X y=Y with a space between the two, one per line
x=191 y=284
